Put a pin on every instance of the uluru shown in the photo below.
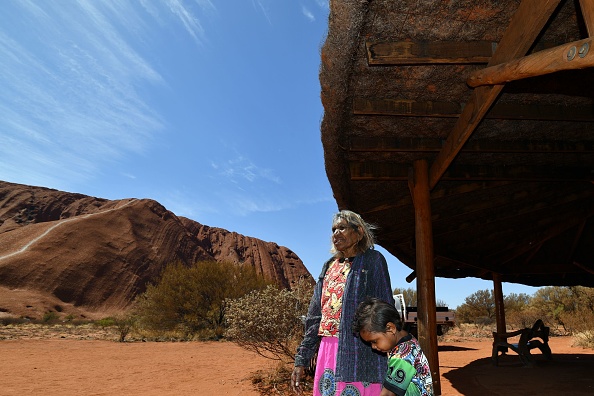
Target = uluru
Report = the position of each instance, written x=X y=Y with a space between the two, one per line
x=89 y=257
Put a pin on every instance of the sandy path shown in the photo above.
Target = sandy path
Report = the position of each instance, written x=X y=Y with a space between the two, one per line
x=93 y=367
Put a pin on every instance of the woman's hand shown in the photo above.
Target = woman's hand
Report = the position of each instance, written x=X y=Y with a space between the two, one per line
x=296 y=377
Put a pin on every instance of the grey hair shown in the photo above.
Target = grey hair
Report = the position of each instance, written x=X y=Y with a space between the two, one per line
x=356 y=221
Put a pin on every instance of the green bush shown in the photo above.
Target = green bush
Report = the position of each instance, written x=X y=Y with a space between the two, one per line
x=191 y=301
x=50 y=317
x=105 y=322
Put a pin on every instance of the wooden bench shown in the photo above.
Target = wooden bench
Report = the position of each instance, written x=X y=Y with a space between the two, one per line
x=529 y=339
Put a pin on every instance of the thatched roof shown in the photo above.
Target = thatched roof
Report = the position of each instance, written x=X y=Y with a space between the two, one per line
x=518 y=198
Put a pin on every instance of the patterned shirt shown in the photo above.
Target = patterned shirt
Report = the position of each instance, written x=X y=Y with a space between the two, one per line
x=333 y=289
x=408 y=369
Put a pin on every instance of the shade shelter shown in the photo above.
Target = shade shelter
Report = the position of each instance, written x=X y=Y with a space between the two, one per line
x=465 y=131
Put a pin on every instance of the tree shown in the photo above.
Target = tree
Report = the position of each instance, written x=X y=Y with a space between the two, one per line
x=551 y=301
x=479 y=307
x=269 y=322
x=193 y=299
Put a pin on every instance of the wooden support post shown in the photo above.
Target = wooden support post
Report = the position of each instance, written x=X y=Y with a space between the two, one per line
x=426 y=318
x=499 y=306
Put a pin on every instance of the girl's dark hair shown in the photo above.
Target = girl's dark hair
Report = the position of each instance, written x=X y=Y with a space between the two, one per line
x=373 y=315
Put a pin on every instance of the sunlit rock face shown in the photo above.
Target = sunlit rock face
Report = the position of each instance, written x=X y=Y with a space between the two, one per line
x=87 y=256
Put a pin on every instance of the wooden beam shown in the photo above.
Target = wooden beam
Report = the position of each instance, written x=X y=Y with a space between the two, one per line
x=571 y=56
x=389 y=171
x=437 y=193
x=426 y=52
x=583 y=267
x=503 y=111
x=563 y=219
x=527 y=23
x=406 y=107
x=399 y=53
x=587 y=7
x=420 y=145
x=427 y=321
x=576 y=240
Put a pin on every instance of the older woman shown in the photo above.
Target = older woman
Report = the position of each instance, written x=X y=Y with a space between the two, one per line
x=345 y=365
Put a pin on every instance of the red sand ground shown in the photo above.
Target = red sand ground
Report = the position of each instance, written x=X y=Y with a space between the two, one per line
x=67 y=366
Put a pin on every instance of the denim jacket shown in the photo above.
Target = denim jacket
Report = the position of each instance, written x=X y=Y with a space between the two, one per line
x=356 y=361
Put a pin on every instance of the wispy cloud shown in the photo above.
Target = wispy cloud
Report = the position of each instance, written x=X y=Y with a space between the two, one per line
x=73 y=80
x=241 y=169
x=308 y=14
x=259 y=4
x=323 y=4
x=190 y=22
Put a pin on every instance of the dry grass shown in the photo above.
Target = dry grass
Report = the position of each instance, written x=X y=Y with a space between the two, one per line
x=36 y=331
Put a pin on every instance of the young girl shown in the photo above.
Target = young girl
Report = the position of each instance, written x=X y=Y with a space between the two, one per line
x=378 y=323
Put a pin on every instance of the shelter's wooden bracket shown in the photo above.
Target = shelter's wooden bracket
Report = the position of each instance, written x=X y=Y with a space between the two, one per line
x=503 y=111
x=571 y=56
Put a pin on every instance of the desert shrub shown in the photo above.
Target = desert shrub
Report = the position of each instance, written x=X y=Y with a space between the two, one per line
x=584 y=339
x=50 y=317
x=124 y=324
x=274 y=381
x=69 y=318
x=470 y=330
x=191 y=301
x=268 y=321
x=105 y=322
x=7 y=321
x=525 y=317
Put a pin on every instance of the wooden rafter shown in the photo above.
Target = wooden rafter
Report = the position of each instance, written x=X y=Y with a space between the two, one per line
x=576 y=240
x=373 y=170
x=583 y=267
x=527 y=23
x=522 y=247
x=400 y=53
x=424 y=52
x=504 y=111
x=396 y=145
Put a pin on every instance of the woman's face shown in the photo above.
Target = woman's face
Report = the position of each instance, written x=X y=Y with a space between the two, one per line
x=345 y=238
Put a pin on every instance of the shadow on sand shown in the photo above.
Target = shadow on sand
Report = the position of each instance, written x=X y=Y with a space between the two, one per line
x=452 y=348
x=566 y=374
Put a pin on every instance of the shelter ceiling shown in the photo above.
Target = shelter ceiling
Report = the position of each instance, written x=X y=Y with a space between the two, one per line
x=511 y=164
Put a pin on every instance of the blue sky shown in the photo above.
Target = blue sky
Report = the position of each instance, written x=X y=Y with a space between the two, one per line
x=210 y=107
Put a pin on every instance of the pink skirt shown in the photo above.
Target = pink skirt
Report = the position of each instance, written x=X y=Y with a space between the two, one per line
x=324 y=381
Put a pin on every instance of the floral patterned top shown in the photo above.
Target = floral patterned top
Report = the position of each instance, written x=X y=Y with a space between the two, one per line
x=334 y=282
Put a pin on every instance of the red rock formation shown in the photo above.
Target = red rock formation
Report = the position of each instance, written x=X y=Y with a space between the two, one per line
x=88 y=256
